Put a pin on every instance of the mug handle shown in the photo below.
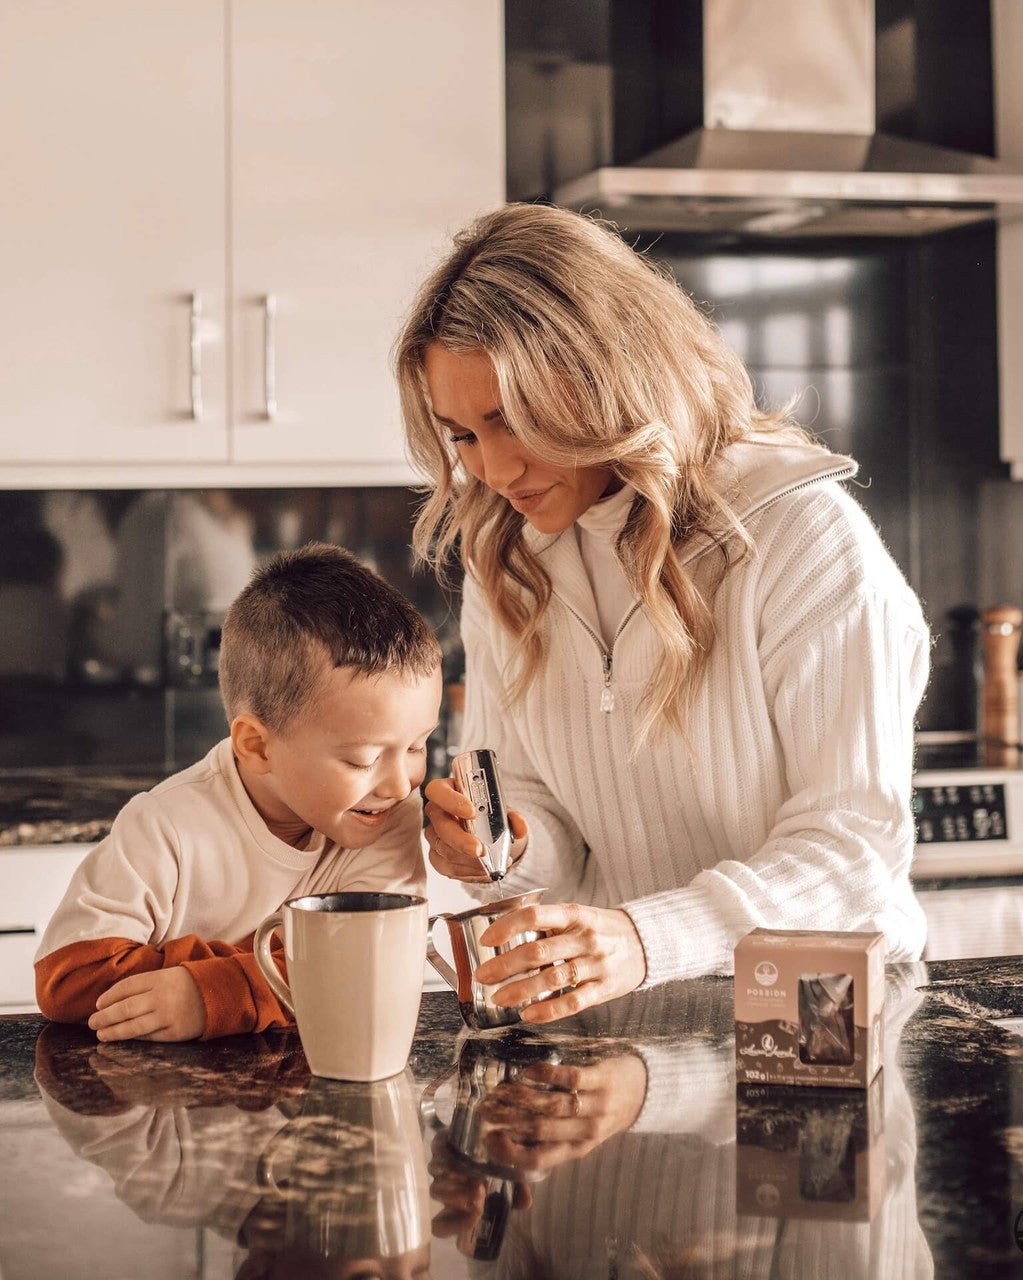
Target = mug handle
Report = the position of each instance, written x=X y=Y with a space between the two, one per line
x=264 y=1167
x=261 y=950
x=435 y=957
x=428 y=1101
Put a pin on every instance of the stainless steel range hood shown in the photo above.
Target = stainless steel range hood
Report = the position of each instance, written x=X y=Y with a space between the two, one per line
x=789 y=147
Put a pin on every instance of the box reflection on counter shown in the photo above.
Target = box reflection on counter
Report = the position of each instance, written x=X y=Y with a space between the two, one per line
x=810 y=1153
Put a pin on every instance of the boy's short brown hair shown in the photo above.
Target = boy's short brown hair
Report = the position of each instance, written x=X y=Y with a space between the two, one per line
x=308 y=611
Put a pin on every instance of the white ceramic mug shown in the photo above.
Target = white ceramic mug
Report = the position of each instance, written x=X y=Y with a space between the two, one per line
x=357 y=1186
x=355 y=970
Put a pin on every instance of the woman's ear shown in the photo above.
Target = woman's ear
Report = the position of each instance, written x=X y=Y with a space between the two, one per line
x=250 y=739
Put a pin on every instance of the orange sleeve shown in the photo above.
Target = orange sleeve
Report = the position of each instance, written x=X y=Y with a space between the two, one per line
x=234 y=992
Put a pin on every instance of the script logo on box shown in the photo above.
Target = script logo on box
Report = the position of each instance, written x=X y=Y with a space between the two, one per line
x=766 y=973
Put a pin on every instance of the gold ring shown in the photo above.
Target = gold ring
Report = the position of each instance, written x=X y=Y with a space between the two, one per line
x=577 y=1105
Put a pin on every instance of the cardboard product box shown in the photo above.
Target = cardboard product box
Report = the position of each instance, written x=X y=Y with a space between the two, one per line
x=810 y=1153
x=809 y=1007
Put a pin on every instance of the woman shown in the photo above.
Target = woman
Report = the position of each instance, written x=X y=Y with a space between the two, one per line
x=694 y=657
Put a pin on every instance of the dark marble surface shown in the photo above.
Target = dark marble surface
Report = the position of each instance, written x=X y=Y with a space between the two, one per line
x=66 y=805
x=614 y=1145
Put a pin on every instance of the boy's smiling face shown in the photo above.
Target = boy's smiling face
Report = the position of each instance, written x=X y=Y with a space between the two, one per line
x=356 y=750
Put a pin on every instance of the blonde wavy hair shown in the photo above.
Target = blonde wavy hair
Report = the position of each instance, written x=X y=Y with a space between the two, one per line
x=601 y=360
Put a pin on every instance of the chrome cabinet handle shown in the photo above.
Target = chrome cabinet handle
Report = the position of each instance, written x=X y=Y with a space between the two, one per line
x=195 y=357
x=270 y=357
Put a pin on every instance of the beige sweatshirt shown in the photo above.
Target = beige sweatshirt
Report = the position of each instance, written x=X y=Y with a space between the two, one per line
x=187 y=873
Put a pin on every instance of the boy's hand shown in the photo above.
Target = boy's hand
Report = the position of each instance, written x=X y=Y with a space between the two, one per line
x=162 y=1005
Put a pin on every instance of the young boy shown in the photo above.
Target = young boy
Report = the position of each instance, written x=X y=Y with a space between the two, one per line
x=331 y=683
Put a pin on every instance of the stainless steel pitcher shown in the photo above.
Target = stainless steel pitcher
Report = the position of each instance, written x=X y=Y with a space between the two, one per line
x=483 y=1065
x=476 y=999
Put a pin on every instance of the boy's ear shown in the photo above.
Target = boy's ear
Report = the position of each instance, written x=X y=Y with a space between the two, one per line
x=249 y=739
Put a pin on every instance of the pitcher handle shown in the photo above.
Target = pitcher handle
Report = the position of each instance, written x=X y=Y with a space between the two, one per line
x=261 y=950
x=435 y=957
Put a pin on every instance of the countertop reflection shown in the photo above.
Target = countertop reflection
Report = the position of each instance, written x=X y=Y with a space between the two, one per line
x=614 y=1145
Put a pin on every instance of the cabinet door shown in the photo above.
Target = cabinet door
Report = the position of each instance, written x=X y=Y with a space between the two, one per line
x=112 y=219
x=32 y=883
x=362 y=136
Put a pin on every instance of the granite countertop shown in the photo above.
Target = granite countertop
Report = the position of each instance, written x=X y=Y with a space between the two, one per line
x=612 y=1145
x=67 y=805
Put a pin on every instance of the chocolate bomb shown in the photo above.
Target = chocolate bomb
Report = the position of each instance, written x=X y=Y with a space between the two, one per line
x=826 y=1017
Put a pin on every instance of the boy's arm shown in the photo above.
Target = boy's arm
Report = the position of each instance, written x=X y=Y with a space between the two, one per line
x=119 y=899
x=234 y=993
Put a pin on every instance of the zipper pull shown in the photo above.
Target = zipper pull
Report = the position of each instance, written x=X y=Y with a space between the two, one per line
x=607 y=694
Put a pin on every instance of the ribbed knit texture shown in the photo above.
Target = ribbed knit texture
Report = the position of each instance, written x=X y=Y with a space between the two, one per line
x=596 y=531
x=660 y=1199
x=792 y=808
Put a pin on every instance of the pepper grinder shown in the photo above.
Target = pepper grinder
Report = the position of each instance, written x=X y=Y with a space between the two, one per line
x=1000 y=634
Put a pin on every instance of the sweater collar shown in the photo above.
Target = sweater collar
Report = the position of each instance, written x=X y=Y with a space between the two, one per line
x=604 y=519
x=752 y=474
x=281 y=852
x=749 y=475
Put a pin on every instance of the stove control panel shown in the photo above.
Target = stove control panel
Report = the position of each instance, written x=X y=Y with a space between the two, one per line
x=968 y=822
x=967 y=811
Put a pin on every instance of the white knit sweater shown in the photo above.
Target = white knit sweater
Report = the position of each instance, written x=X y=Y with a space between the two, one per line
x=792 y=808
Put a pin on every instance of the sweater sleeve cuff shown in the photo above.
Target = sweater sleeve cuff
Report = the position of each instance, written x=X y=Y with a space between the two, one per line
x=683 y=935
x=226 y=996
x=689 y=1089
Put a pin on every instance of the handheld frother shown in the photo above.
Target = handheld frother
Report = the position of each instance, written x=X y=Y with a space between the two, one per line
x=475 y=774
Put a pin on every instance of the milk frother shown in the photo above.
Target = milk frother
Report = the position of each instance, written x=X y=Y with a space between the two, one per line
x=476 y=777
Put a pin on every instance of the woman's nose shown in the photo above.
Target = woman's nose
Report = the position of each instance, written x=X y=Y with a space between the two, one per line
x=502 y=459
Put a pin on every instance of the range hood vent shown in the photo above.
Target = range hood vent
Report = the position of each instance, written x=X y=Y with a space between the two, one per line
x=789 y=148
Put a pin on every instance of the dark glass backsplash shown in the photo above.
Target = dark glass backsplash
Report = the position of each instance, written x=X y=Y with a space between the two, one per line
x=891 y=348
x=111 y=603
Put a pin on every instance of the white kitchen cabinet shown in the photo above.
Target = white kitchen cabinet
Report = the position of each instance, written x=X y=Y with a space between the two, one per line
x=362 y=136
x=296 y=164
x=112 y=218
x=32 y=883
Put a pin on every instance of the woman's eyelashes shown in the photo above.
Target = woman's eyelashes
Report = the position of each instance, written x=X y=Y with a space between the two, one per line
x=466 y=438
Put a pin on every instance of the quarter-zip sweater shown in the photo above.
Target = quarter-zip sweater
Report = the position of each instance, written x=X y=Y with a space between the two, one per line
x=789 y=806
x=596 y=531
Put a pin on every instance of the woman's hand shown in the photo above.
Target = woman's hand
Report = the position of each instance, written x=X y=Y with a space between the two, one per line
x=462 y=1190
x=453 y=851
x=595 y=951
x=554 y=1112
